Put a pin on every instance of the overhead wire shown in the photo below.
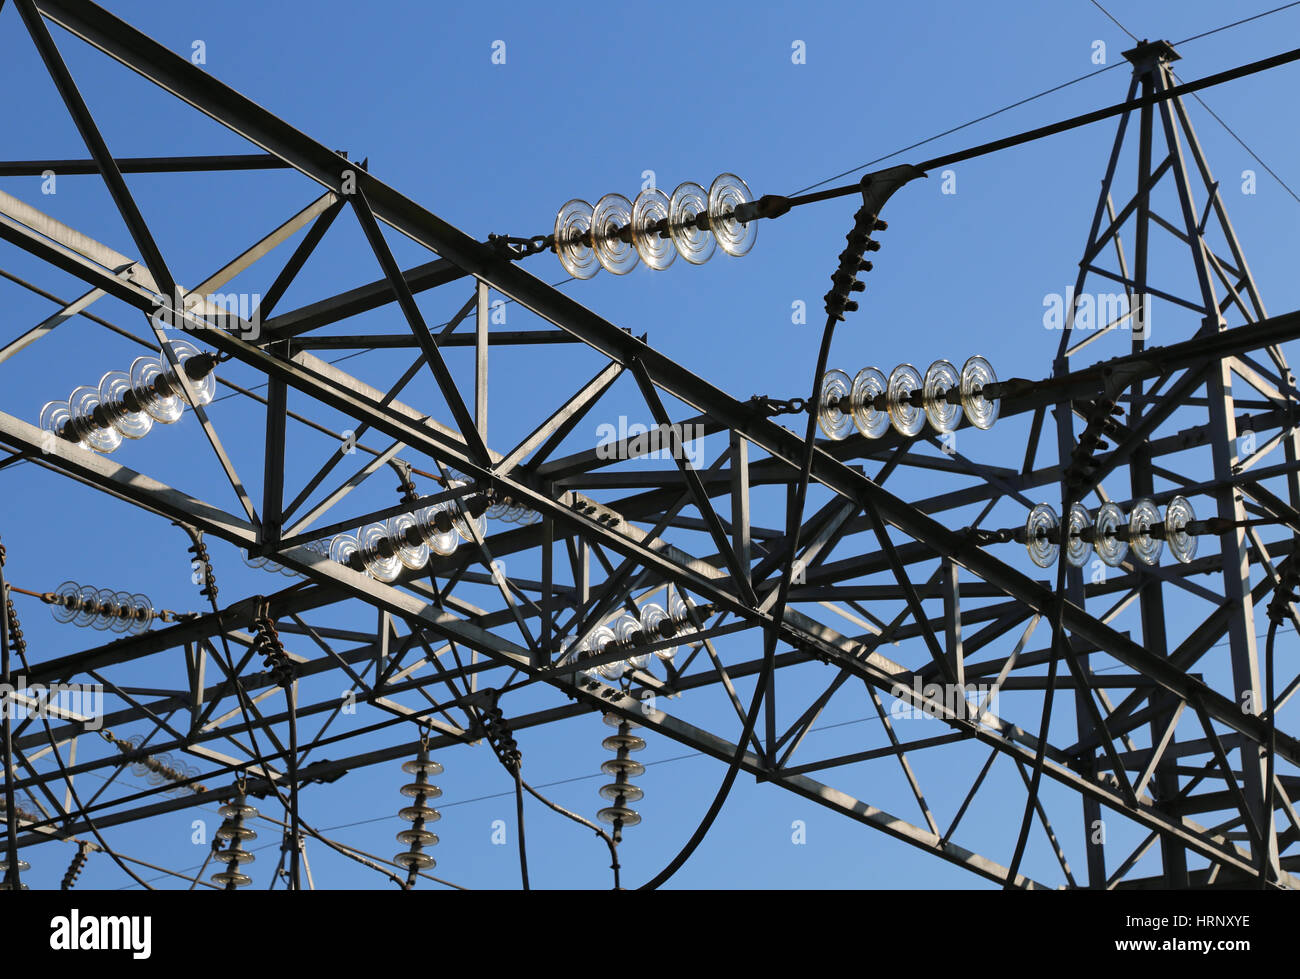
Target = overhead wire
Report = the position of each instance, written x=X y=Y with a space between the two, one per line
x=881 y=159
x=1201 y=102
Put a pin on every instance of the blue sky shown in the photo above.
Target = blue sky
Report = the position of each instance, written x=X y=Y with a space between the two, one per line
x=587 y=101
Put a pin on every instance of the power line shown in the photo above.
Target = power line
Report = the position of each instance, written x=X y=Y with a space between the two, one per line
x=964 y=125
x=1031 y=98
x=1113 y=20
x=1255 y=156
x=1236 y=23
x=1201 y=102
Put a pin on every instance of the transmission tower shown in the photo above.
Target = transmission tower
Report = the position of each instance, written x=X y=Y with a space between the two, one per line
x=653 y=586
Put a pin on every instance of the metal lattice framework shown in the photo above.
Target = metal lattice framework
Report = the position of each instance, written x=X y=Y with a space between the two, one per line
x=1164 y=743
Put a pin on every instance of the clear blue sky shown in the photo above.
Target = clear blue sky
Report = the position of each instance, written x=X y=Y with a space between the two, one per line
x=588 y=99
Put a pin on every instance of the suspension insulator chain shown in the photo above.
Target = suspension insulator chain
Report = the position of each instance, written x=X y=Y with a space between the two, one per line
x=203 y=564
x=1100 y=422
x=266 y=642
x=234 y=815
x=74 y=868
x=151 y=762
x=621 y=791
x=418 y=814
x=499 y=737
x=16 y=641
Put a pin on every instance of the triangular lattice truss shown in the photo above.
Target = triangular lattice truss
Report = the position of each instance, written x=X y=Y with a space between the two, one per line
x=1164 y=745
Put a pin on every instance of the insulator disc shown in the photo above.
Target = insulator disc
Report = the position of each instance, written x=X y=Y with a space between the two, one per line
x=908 y=419
x=833 y=416
x=412 y=813
x=1178 y=514
x=83 y=401
x=601 y=638
x=611 y=220
x=627 y=766
x=232 y=809
x=144 y=372
x=56 y=414
x=630 y=793
x=236 y=856
x=253 y=560
x=579 y=656
x=113 y=388
x=619 y=814
x=126 y=602
x=141 y=623
x=869 y=384
x=413 y=556
x=108 y=606
x=62 y=613
x=497 y=509
x=439 y=542
x=980 y=411
x=681 y=616
x=695 y=244
x=414 y=789
x=1078 y=549
x=415 y=766
x=611 y=719
x=628 y=742
x=138 y=768
x=572 y=241
x=940 y=378
x=420 y=861
x=726 y=194
x=421 y=836
x=89 y=596
x=1043 y=550
x=184 y=771
x=626 y=629
x=1141 y=519
x=519 y=514
x=343 y=547
x=380 y=568
x=204 y=389
x=232 y=877
x=1110 y=549
x=651 y=616
x=656 y=250
x=230 y=832
x=462 y=524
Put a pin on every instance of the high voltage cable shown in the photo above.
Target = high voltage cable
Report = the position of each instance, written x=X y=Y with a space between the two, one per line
x=1041 y=132
x=1113 y=20
x=1201 y=102
x=1016 y=140
x=1031 y=98
x=954 y=129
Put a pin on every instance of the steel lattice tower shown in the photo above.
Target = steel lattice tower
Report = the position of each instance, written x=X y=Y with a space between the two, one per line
x=1174 y=744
